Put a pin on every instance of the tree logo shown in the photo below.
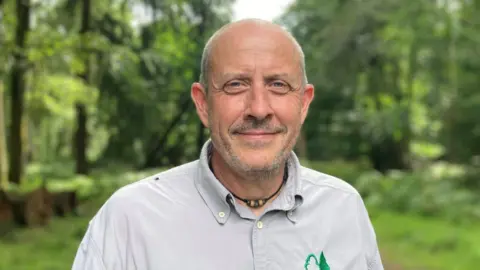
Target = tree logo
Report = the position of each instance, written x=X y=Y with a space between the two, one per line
x=320 y=263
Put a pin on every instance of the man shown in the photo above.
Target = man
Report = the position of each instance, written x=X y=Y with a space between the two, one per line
x=246 y=203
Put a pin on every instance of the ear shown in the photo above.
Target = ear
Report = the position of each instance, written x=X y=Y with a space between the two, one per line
x=200 y=99
x=307 y=98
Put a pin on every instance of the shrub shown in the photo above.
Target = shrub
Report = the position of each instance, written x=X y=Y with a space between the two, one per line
x=348 y=171
x=437 y=190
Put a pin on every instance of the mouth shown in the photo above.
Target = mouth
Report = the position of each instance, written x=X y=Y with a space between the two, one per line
x=257 y=134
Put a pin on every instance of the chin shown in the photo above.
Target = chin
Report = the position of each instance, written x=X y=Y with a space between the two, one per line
x=258 y=161
x=260 y=166
x=252 y=156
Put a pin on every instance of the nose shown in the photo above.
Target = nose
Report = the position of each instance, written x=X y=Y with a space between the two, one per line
x=258 y=103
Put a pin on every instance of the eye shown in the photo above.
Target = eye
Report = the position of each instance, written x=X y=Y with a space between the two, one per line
x=235 y=86
x=279 y=87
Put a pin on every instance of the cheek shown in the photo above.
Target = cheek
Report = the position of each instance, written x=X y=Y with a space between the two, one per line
x=288 y=111
x=226 y=112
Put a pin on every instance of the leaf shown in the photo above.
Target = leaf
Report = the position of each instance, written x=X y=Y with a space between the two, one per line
x=323 y=262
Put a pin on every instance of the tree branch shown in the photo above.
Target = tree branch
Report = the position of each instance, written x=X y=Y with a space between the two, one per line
x=153 y=154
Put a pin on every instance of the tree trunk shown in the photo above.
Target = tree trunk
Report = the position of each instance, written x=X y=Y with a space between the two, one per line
x=65 y=203
x=18 y=90
x=32 y=209
x=81 y=133
x=386 y=152
x=3 y=143
x=408 y=101
x=26 y=145
x=81 y=140
x=5 y=208
x=3 y=137
x=152 y=156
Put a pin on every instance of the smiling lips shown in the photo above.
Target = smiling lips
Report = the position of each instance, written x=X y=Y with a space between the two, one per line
x=257 y=134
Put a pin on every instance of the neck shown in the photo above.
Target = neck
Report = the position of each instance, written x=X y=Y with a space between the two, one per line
x=247 y=185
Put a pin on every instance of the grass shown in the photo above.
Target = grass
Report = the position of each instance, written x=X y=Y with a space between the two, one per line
x=427 y=243
x=48 y=248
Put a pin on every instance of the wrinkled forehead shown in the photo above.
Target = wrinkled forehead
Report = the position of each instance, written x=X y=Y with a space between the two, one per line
x=248 y=48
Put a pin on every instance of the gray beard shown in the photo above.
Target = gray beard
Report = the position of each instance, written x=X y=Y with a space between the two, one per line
x=256 y=174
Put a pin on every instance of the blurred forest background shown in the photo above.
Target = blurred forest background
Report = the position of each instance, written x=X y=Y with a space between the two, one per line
x=93 y=98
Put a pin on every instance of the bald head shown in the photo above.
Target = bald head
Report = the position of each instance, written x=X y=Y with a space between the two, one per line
x=251 y=27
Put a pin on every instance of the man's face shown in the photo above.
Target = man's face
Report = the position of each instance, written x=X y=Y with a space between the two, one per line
x=256 y=101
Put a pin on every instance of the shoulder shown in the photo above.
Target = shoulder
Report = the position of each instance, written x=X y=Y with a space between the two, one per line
x=171 y=178
x=154 y=189
x=314 y=179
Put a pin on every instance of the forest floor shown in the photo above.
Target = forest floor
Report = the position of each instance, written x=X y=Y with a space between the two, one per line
x=425 y=243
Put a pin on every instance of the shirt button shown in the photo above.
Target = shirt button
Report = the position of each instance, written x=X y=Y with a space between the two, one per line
x=259 y=224
x=221 y=214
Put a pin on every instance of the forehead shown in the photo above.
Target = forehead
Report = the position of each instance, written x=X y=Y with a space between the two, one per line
x=254 y=47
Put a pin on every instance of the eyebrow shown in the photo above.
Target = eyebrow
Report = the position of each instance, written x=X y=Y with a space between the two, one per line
x=246 y=75
x=274 y=76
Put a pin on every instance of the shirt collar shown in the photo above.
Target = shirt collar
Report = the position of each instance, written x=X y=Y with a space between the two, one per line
x=217 y=197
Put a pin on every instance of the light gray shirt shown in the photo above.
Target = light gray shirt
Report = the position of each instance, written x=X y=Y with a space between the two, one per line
x=184 y=218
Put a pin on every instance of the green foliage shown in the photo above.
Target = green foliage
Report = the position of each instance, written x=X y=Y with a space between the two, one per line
x=51 y=107
x=348 y=171
x=138 y=76
x=416 y=242
x=395 y=77
x=427 y=151
x=55 y=95
x=60 y=177
x=441 y=189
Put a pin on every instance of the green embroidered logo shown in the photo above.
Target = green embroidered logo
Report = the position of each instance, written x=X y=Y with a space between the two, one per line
x=321 y=262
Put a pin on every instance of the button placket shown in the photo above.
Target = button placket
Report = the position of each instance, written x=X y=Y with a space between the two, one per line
x=259 y=244
x=255 y=246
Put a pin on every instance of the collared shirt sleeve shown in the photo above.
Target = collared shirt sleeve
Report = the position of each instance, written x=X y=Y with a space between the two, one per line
x=88 y=255
x=375 y=262
x=372 y=253
x=104 y=245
